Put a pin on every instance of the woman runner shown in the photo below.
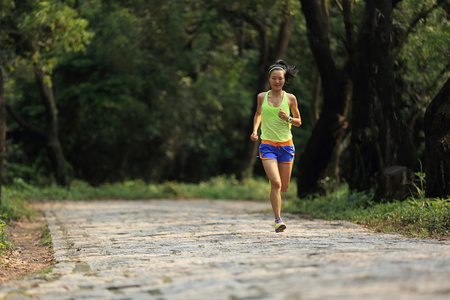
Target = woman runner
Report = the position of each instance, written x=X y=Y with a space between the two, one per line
x=277 y=150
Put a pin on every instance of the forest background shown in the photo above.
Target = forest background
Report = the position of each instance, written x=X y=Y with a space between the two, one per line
x=108 y=91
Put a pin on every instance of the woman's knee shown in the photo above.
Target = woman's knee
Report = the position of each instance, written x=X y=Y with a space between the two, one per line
x=276 y=184
x=284 y=187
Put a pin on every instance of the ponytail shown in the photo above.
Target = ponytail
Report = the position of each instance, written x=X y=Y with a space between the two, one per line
x=289 y=71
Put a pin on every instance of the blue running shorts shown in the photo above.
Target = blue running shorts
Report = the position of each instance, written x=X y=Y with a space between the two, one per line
x=283 y=152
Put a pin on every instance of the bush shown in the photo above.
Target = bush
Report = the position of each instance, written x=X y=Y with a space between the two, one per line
x=5 y=244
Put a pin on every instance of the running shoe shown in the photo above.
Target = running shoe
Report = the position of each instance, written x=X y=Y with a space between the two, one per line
x=279 y=226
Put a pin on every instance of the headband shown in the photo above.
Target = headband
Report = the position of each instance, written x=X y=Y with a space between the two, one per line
x=277 y=67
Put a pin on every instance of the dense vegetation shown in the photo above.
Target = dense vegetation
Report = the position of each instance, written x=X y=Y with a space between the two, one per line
x=165 y=91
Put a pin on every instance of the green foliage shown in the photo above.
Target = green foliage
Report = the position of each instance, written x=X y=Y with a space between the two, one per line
x=48 y=29
x=56 y=25
x=426 y=218
x=46 y=237
x=421 y=218
x=339 y=204
x=230 y=188
x=14 y=206
x=163 y=91
x=418 y=184
x=424 y=53
x=5 y=244
x=421 y=67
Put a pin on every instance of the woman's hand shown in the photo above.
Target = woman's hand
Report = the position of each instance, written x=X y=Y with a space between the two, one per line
x=254 y=137
x=283 y=115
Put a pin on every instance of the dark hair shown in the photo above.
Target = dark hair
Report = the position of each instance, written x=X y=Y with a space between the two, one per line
x=290 y=71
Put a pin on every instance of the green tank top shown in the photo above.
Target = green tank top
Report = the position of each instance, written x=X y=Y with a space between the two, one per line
x=272 y=127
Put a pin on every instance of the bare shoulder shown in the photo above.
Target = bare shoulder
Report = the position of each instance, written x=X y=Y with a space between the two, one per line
x=262 y=95
x=291 y=98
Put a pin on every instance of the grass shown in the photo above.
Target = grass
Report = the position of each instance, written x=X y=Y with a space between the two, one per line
x=216 y=188
x=5 y=244
x=46 y=237
x=13 y=207
x=422 y=217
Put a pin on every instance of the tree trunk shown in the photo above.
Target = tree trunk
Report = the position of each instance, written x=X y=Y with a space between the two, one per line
x=394 y=181
x=54 y=148
x=375 y=61
x=2 y=130
x=364 y=158
x=437 y=145
x=332 y=121
x=314 y=100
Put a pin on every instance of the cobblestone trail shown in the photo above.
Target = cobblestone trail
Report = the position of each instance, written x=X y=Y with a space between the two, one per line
x=200 y=249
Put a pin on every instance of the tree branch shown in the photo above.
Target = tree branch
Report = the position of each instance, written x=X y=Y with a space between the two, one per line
x=439 y=76
x=260 y=27
x=413 y=24
x=347 y=12
x=12 y=32
x=284 y=33
x=2 y=129
x=27 y=126
x=339 y=4
x=395 y=2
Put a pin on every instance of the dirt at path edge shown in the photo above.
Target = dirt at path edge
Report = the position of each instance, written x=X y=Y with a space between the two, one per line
x=29 y=256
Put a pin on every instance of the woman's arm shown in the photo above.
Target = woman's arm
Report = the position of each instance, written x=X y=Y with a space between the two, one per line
x=293 y=106
x=257 y=118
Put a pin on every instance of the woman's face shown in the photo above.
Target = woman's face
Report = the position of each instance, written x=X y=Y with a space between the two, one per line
x=276 y=79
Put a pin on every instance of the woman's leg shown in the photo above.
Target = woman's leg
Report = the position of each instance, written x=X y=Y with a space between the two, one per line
x=273 y=173
x=285 y=175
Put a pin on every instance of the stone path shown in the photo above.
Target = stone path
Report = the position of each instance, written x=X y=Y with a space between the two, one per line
x=199 y=249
